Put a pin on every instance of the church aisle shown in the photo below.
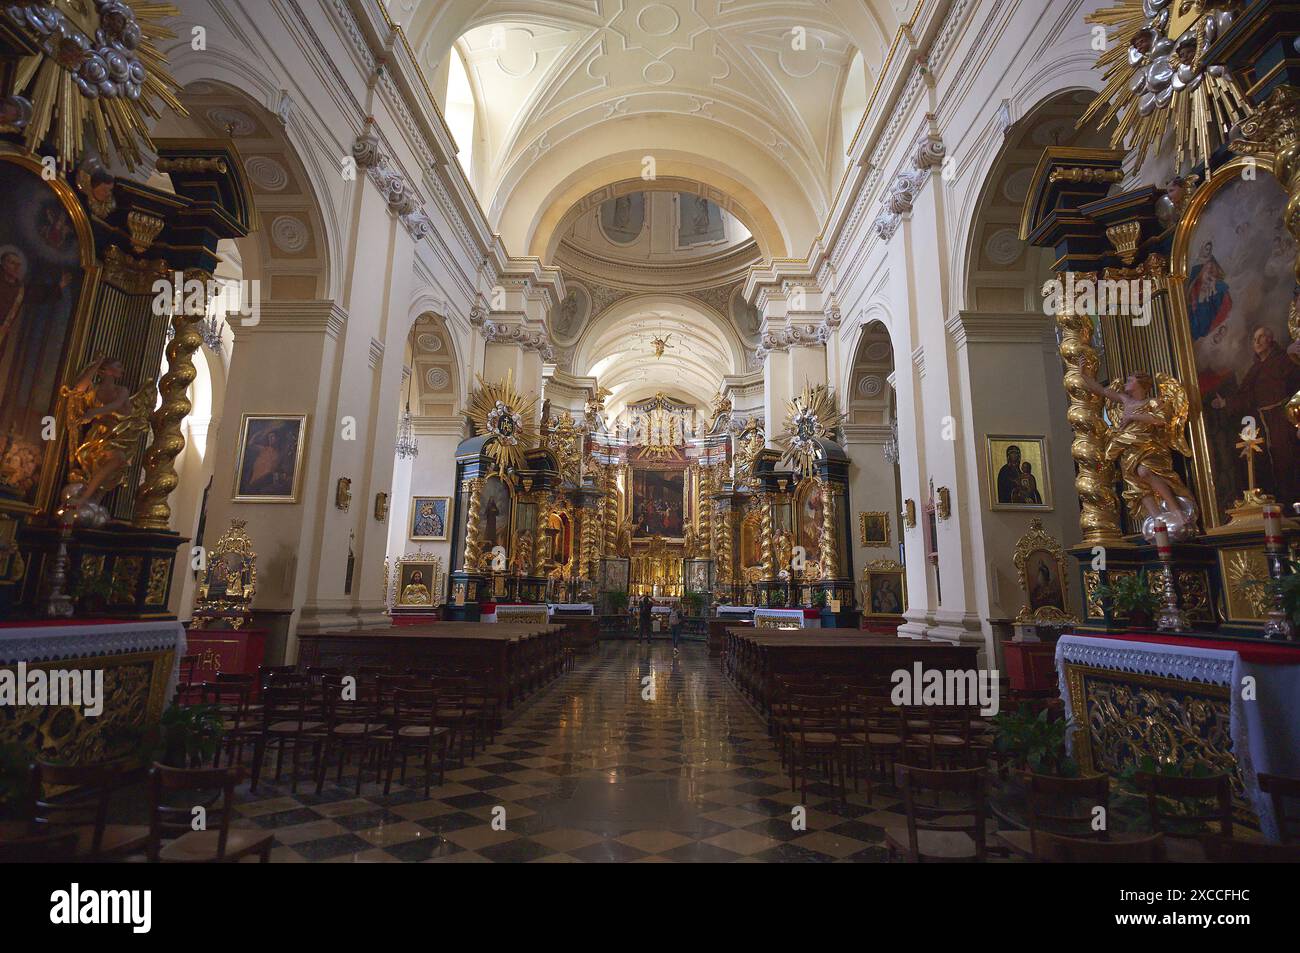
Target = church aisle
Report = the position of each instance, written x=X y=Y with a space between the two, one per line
x=634 y=756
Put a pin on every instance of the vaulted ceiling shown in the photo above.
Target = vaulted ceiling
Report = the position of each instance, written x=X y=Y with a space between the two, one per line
x=742 y=96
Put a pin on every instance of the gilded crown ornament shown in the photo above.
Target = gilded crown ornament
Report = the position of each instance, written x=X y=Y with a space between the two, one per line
x=98 y=67
x=810 y=418
x=505 y=416
x=1157 y=78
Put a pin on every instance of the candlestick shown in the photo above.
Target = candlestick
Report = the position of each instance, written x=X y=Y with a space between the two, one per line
x=1170 y=618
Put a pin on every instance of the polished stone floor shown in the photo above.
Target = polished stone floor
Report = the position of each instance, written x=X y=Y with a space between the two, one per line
x=633 y=756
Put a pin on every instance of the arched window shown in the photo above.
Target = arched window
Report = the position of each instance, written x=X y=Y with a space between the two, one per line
x=460 y=113
x=854 y=101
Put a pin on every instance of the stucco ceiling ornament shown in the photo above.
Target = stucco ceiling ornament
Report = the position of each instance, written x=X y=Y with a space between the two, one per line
x=505 y=417
x=1157 y=77
x=98 y=68
x=810 y=418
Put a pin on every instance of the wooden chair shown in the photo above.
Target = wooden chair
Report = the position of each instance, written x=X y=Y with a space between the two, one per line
x=818 y=725
x=238 y=722
x=460 y=711
x=172 y=838
x=83 y=810
x=1280 y=788
x=1160 y=790
x=350 y=726
x=1055 y=849
x=950 y=827
x=415 y=727
x=1059 y=806
x=285 y=724
x=187 y=688
x=942 y=732
x=1229 y=850
x=871 y=735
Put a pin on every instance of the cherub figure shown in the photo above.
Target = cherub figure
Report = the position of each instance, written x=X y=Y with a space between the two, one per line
x=1146 y=423
x=104 y=421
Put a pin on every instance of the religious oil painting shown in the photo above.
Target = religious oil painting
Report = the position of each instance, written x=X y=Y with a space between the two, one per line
x=1238 y=259
x=810 y=501
x=658 y=503
x=415 y=583
x=1043 y=580
x=494 y=515
x=429 y=517
x=1017 y=472
x=41 y=281
x=269 y=469
x=884 y=592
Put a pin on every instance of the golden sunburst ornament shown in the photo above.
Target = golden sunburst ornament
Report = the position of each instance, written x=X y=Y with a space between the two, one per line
x=506 y=417
x=1157 y=76
x=810 y=418
x=98 y=66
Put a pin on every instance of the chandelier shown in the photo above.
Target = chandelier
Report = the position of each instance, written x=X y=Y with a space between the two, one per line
x=890 y=448
x=407 y=448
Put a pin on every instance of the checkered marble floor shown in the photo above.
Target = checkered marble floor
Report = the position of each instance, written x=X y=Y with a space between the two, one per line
x=633 y=756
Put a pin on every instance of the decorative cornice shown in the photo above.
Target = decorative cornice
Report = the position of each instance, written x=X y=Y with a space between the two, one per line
x=305 y=317
x=497 y=332
x=927 y=153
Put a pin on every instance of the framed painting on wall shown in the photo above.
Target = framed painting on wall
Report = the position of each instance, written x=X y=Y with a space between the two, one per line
x=873 y=529
x=884 y=590
x=1017 y=472
x=269 y=464
x=429 y=517
x=1233 y=290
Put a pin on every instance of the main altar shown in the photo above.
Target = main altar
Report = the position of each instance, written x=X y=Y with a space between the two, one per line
x=664 y=501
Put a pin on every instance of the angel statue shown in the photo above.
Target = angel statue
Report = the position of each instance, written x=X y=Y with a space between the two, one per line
x=104 y=421
x=1146 y=424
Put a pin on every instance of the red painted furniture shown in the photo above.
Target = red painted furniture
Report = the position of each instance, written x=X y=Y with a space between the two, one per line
x=1031 y=666
x=226 y=650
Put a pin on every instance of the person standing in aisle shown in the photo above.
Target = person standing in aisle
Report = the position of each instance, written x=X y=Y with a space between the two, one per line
x=645 y=606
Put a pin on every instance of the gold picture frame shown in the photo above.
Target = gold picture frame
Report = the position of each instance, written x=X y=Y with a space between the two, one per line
x=884 y=589
x=41 y=497
x=417 y=582
x=414 y=527
x=1047 y=593
x=282 y=490
x=1229 y=174
x=873 y=528
x=1017 y=492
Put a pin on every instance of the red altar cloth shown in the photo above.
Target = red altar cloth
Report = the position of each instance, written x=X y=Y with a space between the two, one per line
x=1266 y=653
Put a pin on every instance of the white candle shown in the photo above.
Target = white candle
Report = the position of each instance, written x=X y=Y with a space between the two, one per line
x=1162 y=538
x=1273 y=524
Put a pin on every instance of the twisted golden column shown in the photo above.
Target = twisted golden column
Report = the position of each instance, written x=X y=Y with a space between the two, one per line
x=473 y=540
x=611 y=512
x=767 y=540
x=724 y=545
x=590 y=553
x=830 y=554
x=159 y=477
x=540 y=552
x=1095 y=477
x=705 y=512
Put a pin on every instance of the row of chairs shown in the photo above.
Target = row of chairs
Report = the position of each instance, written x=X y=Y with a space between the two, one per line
x=1190 y=820
x=68 y=807
x=381 y=719
x=848 y=728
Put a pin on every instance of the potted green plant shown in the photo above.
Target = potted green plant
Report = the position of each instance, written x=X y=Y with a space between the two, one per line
x=616 y=599
x=186 y=737
x=1131 y=596
x=91 y=594
x=1035 y=742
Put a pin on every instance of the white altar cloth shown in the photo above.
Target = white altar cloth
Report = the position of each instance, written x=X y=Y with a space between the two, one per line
x=39 y=643
x=1265 y=731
